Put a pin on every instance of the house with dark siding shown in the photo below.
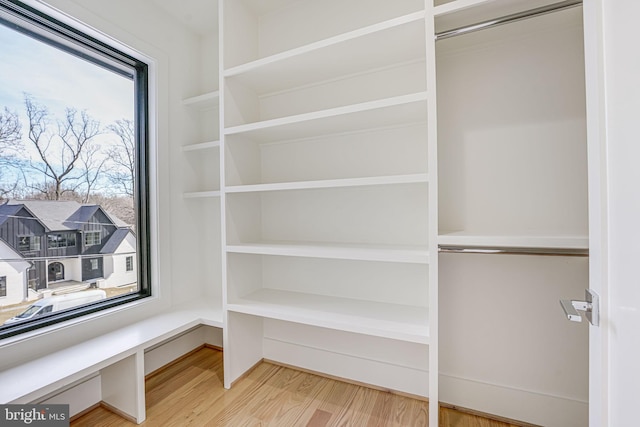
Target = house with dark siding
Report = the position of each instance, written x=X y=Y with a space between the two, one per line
x=48 y=244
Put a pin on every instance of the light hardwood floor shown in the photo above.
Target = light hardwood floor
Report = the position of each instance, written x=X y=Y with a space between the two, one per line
x=190 y=393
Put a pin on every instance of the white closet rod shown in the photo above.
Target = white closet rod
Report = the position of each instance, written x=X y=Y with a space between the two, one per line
x=508 y=19
x=499 y=250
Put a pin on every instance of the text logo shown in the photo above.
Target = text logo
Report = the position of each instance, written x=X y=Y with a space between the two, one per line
x=34 y=415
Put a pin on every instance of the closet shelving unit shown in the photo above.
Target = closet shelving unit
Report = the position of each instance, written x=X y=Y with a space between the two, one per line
x=326 y=188
x=341 y=174
x=200 y=154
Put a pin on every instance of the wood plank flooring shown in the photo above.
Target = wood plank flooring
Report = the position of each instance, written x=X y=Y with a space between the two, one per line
x=191 y=393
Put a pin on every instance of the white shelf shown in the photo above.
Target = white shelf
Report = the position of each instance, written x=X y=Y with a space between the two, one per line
x=400 y=322
x=375 y=46
x=201 y=146
x=399 y=110
x=207 y=100
x=201 y=194
x=398 y=254
x=514 y=241
x=331 y=183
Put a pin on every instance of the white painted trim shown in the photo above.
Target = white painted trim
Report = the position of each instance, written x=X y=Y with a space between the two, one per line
x=80 y=396
x=355 y=368
x=433 y=213
x=525 y=405
x=593 y=17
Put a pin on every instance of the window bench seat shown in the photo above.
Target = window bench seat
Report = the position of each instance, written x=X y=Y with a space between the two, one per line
x=118 y=356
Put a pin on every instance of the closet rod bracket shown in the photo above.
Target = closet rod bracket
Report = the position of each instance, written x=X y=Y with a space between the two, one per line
x=590 y=306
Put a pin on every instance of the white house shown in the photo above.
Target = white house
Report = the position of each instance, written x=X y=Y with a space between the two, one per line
x=13 y=275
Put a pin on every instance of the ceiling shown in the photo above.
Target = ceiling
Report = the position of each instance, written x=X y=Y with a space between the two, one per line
x=199 y=15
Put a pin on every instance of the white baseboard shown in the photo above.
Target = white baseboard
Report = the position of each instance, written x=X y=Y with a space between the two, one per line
x=380 y=362
x=371 y=372
x=79 y=397
x=169 y=351
x=509 y=402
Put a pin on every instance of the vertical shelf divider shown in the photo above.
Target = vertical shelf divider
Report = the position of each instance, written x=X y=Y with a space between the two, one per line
x=432 y=142
x=229 y=373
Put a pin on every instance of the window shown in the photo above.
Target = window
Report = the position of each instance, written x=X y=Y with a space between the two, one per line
x=92 y=238
x=3 y=286
x=28 y=243
x=61 y=240
x=73 y=156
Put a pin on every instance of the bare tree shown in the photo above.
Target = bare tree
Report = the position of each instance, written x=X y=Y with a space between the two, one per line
x=10 y=130
x=123 y=156
x=10 y=139
x=93 y=167
x=59 y=152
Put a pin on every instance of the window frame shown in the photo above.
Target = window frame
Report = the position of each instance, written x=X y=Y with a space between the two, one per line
x=77 y=40
x=32 y=238
x=94 y=241
x=63 y=239
x=3 y=286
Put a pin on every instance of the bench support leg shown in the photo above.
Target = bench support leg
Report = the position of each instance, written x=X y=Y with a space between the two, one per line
x=123 y=387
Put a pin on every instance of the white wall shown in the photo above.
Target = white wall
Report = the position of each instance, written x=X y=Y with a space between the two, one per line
x=115 y=266
x=172 y=50
x=15 y=273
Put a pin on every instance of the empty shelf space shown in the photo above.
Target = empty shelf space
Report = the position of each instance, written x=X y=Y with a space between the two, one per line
x=399 y=254
x=400 y=110
x=391 y=42
x=207 y=100
x=201 y=146
x=200 y=194
x=331 y=183
x=395 y=321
